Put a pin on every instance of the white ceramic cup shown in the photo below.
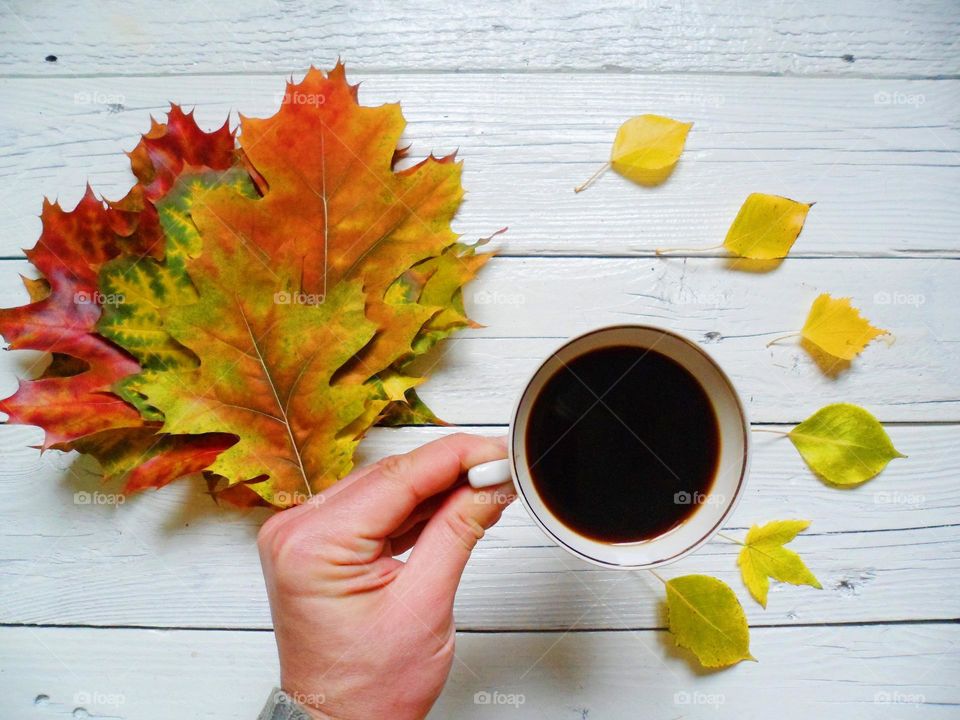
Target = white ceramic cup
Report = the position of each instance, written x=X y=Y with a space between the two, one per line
x=712 y=509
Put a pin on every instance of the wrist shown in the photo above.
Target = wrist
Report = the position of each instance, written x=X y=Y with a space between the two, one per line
x=308 y=695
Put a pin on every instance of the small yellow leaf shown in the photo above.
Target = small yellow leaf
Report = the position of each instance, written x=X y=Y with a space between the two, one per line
x=766 y=227
x=837 y=328
x=707 y=619
x=647 y=148
x=844 y=444
x=764 y=556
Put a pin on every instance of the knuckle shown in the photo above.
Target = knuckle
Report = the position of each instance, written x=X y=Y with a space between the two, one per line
x=287 y=544
x=290 y=550
x=394 y=467
x=464 y=529
x=266 y=535
x=461 y=441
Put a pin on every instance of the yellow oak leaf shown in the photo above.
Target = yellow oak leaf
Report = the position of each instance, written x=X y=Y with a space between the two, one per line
x=837 y=328
x=645 y=150
x=844 y=444
x=764 y=556
x=706 y=618
x=766 y=227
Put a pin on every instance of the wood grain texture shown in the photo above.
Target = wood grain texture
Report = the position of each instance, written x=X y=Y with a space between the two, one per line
x=531 y=305
x=861 y=673
x=887 y=550
x=817 y=37
x=880 y=157
x=853 y=105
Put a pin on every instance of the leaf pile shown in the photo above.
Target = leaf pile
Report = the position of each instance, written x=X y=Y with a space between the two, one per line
x=251 y=308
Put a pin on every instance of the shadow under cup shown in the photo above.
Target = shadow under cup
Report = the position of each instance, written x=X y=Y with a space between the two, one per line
x=709 y=511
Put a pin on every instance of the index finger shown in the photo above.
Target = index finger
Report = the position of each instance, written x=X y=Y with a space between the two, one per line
x=378 y=503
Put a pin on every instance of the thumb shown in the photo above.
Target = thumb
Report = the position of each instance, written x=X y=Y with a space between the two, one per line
x=444 y=546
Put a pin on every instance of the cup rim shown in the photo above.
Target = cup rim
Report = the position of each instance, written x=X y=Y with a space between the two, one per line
x=741 y=480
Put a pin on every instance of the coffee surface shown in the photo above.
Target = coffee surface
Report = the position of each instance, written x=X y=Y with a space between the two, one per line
x=623 y=444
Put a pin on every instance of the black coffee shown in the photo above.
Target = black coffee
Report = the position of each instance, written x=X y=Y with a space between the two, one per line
x=623 y=444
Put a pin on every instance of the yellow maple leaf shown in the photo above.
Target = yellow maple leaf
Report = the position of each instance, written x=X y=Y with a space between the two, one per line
x=766 y=227
x=764 y=556
x=706 y=618
x=837 y=328
x=645 y=150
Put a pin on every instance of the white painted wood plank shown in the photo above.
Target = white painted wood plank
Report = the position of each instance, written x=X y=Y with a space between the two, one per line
x=884 y=174
x=888 y=550
x=529 y=306
x=816 y=37
x=733 y=314
x=849 y=672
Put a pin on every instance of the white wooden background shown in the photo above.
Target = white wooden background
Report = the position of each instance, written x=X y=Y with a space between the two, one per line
x=155 y=609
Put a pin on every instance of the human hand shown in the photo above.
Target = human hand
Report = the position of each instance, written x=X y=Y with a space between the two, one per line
x=361 y=634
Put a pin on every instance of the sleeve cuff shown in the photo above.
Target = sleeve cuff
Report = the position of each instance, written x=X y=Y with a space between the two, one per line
x=280 y=706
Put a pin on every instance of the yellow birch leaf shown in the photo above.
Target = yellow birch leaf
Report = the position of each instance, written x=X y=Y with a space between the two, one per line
x=707 y=619
x=766 y=227
x=647 y=148
x=764 y=556
x=844 y=444
x=837 y=328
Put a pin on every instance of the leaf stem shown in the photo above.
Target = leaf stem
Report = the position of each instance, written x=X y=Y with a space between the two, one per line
x=730 y=539
x=668 y=251
x=491 y=236
x=775 y=432
x=592 y=179
x=657 y=576
x=783 y=337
